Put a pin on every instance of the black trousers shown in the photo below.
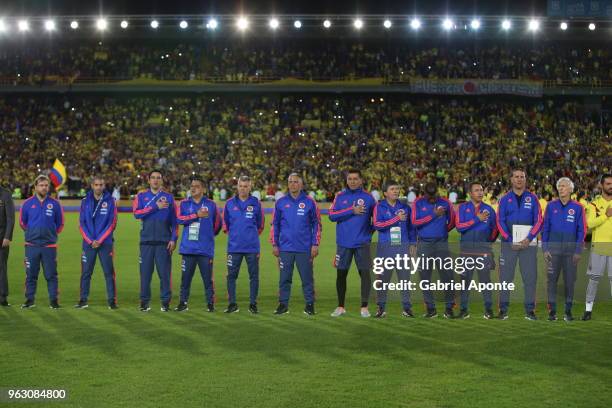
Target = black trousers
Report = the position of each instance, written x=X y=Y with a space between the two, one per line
x=4 y=290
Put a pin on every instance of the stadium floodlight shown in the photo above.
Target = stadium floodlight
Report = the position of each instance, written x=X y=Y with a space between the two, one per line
x=49 y=25
x=274 y=23
x=212 y=24
x=534 y=25
x=506 y=25
x=415 y=23
x=327 y=24
x=242 y=23
x=447 y=24
x=592 y=26
x=358 y=24
x=74 y=25
x=23 y=25
x=101 y=24
x=124 y=24
x=475 y=24
x=2 y=26
x=183 y=24
x=563 y=26
x=387 y=24
x=154 y=24
x=297 y=24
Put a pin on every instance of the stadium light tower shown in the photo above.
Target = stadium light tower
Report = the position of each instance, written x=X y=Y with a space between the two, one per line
x=49 y=25
x=358 y=24
x=475 y=24
x=297 y=24
x=447 y=24
x=74 y=24
x=154 y=24
x=212 y=24
x=101 y=24
x=2 y=26
x=124 y=24
x=415 y=24
x=534 y=25
x=274 y=23
x=242 y=23
x=23 y=25
x=387 y=24
x=183 y=24
x=592 y=26
x=506 y=25
x=327 y=24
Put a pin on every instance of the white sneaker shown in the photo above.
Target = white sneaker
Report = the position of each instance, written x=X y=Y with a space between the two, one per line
x=338 y=312
x=365 y=312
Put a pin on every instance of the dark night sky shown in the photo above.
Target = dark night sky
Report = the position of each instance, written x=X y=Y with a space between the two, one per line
x=160 y=7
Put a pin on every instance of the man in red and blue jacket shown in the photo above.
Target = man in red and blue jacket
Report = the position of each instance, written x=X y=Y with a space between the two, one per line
x=156 y=210
x=243 y=221
x=42 y=219
x=477 y=226
x=97 y=221
x=519 y=207
x=395 y=236
x=433 y=217
x=563 y=234
x=295 y=237
x=352 y=210
x=201 y=222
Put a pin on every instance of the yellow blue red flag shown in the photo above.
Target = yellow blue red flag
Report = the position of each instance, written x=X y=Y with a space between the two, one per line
x=58 y=174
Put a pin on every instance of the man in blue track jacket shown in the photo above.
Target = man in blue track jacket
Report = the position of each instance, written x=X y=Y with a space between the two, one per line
x=563 y=233
x=156 y=210
x=97 y=221
x=395 y=236
x=352 y=210
x=243 y=221
x=295 y=237
x=478 y=229
x=519 y=208
x=42 y=219
x=201 y=222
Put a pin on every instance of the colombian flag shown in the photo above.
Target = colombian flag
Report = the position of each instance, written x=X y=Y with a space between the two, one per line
x=58 y=174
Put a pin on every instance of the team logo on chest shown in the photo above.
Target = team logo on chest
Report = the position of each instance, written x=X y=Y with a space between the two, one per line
x=249 y=211
x=49 y=210
x=570 y=215
x=104 y=204
x=301 y=207
x=360 y=201
x=527 y=203
x=163 y=199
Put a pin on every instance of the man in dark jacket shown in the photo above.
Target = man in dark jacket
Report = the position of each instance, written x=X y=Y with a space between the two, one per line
x=7 y=223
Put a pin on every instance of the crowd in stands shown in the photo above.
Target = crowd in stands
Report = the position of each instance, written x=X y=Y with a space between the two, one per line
x=218 y=60
x=408 y=139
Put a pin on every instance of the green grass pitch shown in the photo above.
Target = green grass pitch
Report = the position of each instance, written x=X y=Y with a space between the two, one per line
x=126 y=358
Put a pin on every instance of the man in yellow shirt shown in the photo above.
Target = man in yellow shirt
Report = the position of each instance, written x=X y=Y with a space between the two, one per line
x=599 y=220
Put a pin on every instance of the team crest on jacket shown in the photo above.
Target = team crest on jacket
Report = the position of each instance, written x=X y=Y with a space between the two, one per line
x=162 y=199
x=360 y=201
x=104 y=204
x=302 y=205
x=249 y=208
x=49 y=206
x=205 y=208
x=527 y=199
x=571 y=211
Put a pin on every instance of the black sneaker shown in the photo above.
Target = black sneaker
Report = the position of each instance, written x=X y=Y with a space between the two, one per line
x=210 y=307
x=309 y=309
x=253 y=308
x=488 y=314
x=552 y=316
x=586 y=316
x=113 y=306
x=29 y=303
x=144 y=307
x=5 y=303
x=281 y=309
x=54 y=305
x=531 y=316
x=81 y=305
x=408 y=313
x=380 y=313
x=165 y=307
x=464 y=314
x=448 y=313
x=503 y=315
x=431 y=313
x=232 y=308
x=568 y=317
x=182 y=307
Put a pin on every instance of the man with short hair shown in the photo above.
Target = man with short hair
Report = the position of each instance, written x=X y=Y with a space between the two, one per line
x=563 y=235
x=7 y=225
x=243 y=221
x=202 y=222
x=352 y=210
x=295 y=237
x=519 y=216
x=478 y=229
x=42 y=219
x=599 y=220
x=156 y=210
x=434 y=217
x=97 y=222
